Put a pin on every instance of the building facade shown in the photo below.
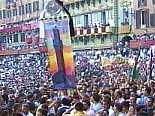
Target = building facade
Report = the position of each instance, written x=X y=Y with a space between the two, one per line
x=97 y=23
x=144 y=24
x=19 y=24
x=100 y=23
x=144 y=16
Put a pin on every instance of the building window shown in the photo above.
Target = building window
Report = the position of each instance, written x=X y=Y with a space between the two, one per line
x=86 y=21
x=153 y=1
x=103 y=18
x=20 y=10
x=143 y=17
x=88 y=2
x=82 y=3
x=78 y=22
x=27 y=9
x=142 y=3
x=77 y=5
x=125 y=16
x=4 y=14
x=15 y=36
x=30 y=7
x=1 y=39
x=67 y=7
x=95 y=18
x=10 y=39
x=22 y=37
x=152 y=20
x=0 y=14
x=35 y=6
x=9 y=14
x=14 y=12
x=73 y=6
x=4 y=39
x=23 y=9
x=93 y=2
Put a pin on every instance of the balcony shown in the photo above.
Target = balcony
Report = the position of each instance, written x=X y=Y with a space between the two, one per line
x=125 y=28
x=90 y=31
x=108 y=29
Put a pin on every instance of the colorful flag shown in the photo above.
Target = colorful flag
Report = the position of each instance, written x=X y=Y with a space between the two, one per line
x=135 y=71
x=60 y=53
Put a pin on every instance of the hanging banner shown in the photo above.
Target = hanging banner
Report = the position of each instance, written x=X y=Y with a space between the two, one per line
x=60 y=53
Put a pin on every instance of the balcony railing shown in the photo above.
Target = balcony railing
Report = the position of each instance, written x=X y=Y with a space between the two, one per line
x=92 y=31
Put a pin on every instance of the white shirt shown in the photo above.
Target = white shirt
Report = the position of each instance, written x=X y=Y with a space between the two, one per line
x=29 y=114
x=111 y=112
x=90 y=113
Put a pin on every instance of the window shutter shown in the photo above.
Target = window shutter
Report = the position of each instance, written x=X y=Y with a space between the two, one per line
x=152 y=20
x=138 y=19
x=77 y=5
x=139 y=3
x=147 y=18
x=72 y=5
x=145 y=2
x=82 y=4
x=99 y=1
x=88 y=2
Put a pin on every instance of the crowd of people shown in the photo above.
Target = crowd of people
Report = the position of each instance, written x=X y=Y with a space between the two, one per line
x=26 y=87
x=144 y=37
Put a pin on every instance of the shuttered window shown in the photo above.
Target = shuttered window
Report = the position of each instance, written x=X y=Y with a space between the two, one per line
x=103 y=18
x=88 y=2
x=14 y=12
x=142 y=3
x=30 y=7
x=86 y=21
x=20 y=10
x=35 y=6
x=27 y=9
x=77 y=5
x=138 y=19
x=152 y=20
x=23 y=9
x=15 y=36
x=9 y=14
x=4 y=14
x=146 y=15
x=143 y=17
x=22 y=37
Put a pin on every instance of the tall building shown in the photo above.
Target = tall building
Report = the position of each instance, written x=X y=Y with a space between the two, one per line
x=144 y=16
x=19 y=24
x=98 y=23
x=144 y=24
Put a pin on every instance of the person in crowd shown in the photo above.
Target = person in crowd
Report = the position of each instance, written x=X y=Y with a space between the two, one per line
x=102 y=89
x=64 y=107
x=78 y=110
x=26 y=110
x=95 y=103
